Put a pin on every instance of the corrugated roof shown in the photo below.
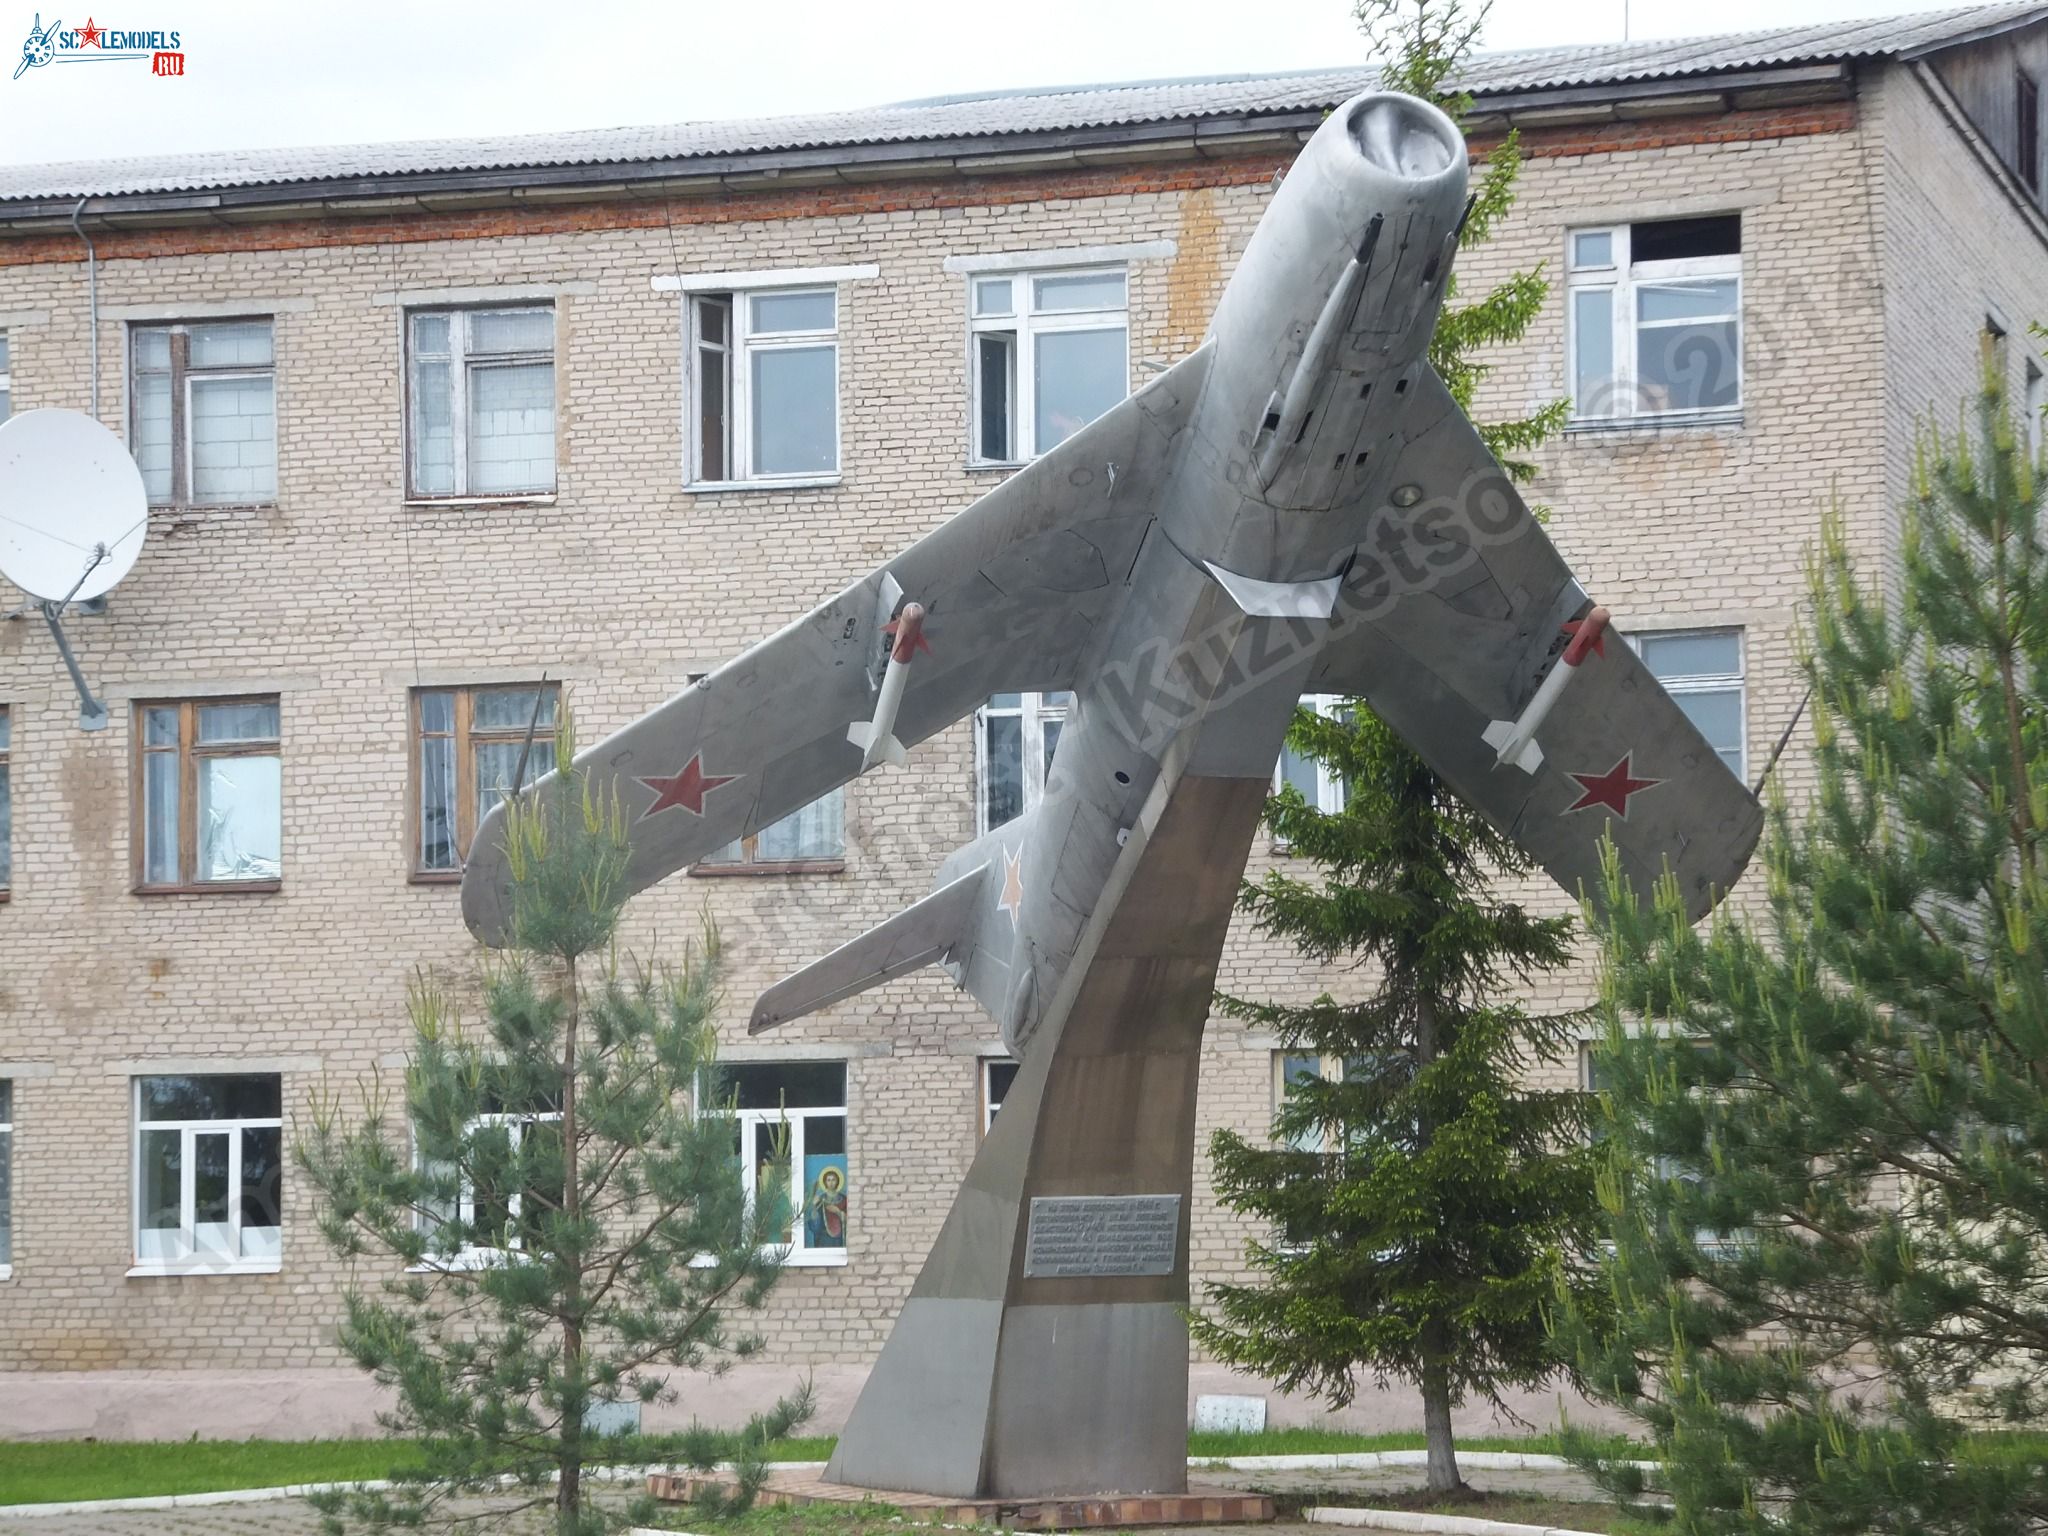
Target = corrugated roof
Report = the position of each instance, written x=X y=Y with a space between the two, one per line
x=995 y=115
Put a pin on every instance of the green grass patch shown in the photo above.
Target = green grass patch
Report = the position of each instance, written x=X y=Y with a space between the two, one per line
x=49 y=1471
x=52 y=1471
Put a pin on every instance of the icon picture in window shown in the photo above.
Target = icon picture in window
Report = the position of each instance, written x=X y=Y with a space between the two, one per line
x=825 y=1202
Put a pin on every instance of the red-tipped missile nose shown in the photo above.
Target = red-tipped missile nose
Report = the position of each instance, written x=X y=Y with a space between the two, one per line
x=1588 y=634
x=907 y=628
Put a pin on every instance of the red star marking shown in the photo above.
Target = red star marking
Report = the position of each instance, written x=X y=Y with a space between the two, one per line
x=1572 y=628
x=686 y=789
x=1610 y=789
x=1012 y=899
x=919 y=644
x=89 y=35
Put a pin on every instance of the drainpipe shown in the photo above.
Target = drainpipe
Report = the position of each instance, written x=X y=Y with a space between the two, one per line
x=92 y=290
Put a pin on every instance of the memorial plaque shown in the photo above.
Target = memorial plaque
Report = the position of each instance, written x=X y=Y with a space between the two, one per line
x=1074 y=1235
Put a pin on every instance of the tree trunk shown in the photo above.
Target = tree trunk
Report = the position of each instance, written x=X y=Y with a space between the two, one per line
x=1436 y=1334
x=569 y=1495
x=1436 y=1412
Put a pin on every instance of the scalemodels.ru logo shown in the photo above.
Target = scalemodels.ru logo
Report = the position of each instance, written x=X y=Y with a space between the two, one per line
x=93 y=43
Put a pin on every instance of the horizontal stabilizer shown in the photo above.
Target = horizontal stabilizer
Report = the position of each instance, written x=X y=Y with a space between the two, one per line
x=887 y=750
x=919 y=935
x=1529 y=758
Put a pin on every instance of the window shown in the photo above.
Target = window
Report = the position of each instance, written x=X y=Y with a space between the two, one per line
x=204 y=412
x=480 y=407
x=211 y=795
x=1014 y=738
x=807 y=839
x=764 y=373
x=1655 y=320
x=6 y=379
x=467 y=745
x=997 y=1073
x=1702 y=670
x=6 y=803
x=1318 y=783
x=6 y=1177
x=2027 y=112
x=1050 y=353
x=209 y=1173
x=1592 y=1079
x=1291 y=1069
x=486 y=1220
x=795 y=1111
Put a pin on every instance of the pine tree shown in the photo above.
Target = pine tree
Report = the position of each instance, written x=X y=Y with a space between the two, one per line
x=1425 y=1203
x=1426 y=1206
x=560 y=1195
x=1829 y=1177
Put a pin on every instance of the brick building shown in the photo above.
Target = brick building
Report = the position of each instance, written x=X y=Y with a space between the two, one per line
x=424 y=423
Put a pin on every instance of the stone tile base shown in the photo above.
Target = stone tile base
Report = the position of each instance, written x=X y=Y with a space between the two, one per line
x=1198 y=1506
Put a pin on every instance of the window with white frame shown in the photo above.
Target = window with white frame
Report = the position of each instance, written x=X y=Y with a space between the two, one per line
x=1702 y=670
x=764 y=384
x=1050 y=352
x=793 y=1115
x=480 y=402
x=997 y=1074
x=1654 y=324
x=209 y=1173
x=6 y=379
x=1317 y=781
x=6 y=1176
x=487 y=1217
x=811 y=838
x=203 y=415
x=1015 y=735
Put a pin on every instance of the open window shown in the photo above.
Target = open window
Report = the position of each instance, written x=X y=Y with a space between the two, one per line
x=764 y=385
x=1050 y=353
x=1654 y=324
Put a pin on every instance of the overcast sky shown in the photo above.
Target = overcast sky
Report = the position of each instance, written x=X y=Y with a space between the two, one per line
x=315 y=71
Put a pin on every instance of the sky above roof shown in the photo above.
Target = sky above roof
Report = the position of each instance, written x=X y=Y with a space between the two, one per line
x=319 y=72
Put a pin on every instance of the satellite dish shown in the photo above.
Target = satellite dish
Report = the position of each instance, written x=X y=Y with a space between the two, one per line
x=73 y=511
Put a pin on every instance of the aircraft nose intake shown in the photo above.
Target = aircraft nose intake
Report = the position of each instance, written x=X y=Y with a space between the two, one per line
x=1403 y=137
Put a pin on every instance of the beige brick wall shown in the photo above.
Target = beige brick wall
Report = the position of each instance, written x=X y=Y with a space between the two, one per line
x=341 y=598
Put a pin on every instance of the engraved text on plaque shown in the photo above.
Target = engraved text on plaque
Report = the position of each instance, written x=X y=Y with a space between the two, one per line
x=1102 y=1235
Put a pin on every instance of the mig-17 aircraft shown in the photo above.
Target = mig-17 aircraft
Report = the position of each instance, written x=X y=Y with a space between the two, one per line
x=1299 y=506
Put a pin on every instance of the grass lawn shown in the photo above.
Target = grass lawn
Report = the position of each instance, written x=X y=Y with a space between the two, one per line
x=47 y=1471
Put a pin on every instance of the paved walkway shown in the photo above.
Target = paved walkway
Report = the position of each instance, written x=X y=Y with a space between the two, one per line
x=294 y=1517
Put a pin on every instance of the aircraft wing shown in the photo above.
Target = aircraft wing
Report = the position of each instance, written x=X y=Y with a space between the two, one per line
x=1451 y=616
x=1012 y=588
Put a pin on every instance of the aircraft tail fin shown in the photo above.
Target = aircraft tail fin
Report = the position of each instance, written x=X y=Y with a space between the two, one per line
x=1498 y=734
x=922 y=934
x=885 y=749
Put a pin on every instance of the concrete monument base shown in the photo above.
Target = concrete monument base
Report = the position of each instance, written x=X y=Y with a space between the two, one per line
x=1044 y=1348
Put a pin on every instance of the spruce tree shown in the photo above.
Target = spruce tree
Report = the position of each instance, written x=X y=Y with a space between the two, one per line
x=557 y=1206
x=1424 y=1207
x=1829 y=1121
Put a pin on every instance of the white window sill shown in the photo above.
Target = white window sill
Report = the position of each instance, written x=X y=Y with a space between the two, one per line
x=192 y=1267
x=791 y=483
x=993 y=466
x=509 y=499
x=814 y=1258
x=466 y=1262
x=6 y=1271
x=1650 y=425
